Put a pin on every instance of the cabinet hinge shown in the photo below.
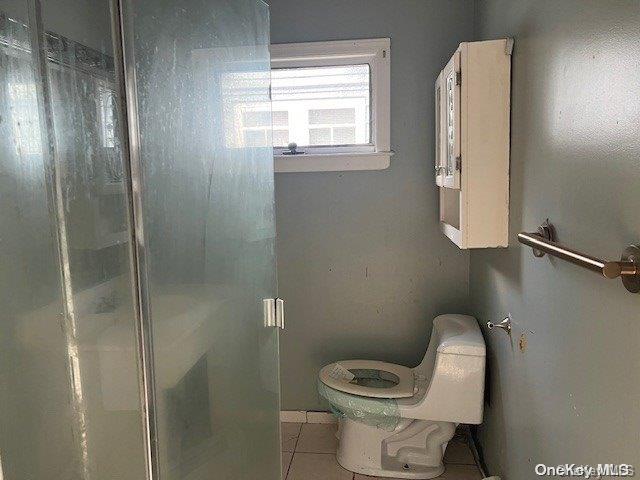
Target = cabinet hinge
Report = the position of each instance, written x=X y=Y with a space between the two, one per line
x=458 y=163
x=458 y=78
x=273 y=310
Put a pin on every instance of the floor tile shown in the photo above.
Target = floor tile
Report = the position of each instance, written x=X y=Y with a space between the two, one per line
x=458 y=451
x=461 y=472
x=290 y=433
x=452 y=472
x=317 y=438
x=365 y=477
x=317 y=466
x=286 y=462
x=321 y=417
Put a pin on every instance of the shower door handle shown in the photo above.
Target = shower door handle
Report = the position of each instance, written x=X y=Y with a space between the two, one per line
x=273 y=309
x=280 y=313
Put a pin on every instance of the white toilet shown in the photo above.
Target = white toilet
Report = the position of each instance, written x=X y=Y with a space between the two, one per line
x=396 y=421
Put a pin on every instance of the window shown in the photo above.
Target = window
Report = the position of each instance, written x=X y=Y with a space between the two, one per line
x=332 y=100
x=246 y=107
x=330 y=105
x=257 y=125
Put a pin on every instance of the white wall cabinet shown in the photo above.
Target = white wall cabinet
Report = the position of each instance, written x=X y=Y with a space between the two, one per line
x=472 y=109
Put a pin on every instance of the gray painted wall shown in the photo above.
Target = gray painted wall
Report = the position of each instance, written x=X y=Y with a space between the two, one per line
x=361 y=260
x=573 y=395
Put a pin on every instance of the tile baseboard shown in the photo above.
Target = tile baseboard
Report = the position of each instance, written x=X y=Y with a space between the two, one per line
x=304 y=416
x=293 y=416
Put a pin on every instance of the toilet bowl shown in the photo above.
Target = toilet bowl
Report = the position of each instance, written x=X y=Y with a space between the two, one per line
x=395 y=421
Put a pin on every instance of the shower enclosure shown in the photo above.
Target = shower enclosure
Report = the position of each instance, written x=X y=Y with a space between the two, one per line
x=137 y=241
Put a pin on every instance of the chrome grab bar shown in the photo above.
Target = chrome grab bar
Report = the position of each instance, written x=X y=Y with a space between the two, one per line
x=606 y=268
x=628 y=268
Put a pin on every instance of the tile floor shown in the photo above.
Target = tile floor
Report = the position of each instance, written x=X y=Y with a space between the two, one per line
x=308 y=453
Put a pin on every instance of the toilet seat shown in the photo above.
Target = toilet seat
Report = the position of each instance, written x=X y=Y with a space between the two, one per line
x=393 y=381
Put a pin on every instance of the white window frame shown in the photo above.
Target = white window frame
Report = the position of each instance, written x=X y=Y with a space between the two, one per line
x=376 y=53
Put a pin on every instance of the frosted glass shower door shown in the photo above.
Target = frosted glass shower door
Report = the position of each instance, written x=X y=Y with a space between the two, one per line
x=70 y=404
x=198 y=76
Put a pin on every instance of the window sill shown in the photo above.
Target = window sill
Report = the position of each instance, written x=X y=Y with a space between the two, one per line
x=331 y=162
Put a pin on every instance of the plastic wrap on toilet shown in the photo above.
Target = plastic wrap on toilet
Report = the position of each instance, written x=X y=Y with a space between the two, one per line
x=377 y=412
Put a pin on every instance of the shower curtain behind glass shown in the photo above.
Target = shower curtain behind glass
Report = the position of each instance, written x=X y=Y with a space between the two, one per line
x=70 y=404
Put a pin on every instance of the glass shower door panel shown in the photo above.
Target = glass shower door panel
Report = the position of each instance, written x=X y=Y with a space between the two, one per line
x=33 y=351
x=206 y=228
x=69 y=378
x=92 y=212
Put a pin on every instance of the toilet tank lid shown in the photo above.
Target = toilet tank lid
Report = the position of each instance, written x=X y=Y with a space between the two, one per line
x=459 y=335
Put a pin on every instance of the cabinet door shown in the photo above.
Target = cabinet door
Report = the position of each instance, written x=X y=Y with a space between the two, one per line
x=440 y=139
x=452 y=157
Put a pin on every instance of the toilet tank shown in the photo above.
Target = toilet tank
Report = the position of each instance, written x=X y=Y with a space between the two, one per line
x=451 y=373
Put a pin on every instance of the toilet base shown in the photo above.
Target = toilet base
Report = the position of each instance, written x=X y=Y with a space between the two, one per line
x=413 y=450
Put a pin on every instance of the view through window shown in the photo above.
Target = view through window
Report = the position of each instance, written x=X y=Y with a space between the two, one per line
x=324 y=105
x=318 y=106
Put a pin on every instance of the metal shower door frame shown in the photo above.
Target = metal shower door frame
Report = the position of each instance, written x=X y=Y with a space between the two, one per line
x=126 y=83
